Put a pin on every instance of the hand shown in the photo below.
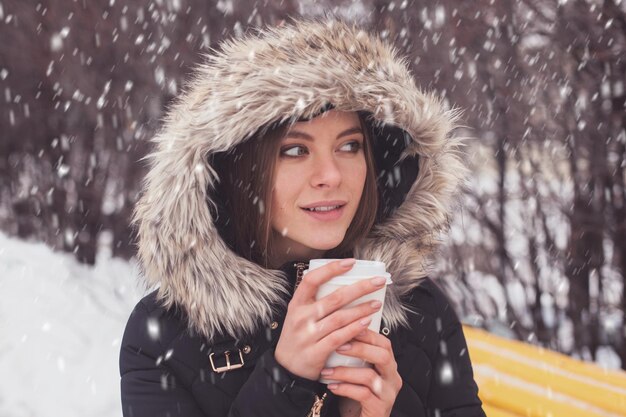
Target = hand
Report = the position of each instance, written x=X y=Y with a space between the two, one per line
x=375 y=390
x=313 y=329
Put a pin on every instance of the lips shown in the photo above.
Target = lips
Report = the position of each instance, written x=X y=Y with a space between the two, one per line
x=324 y=208
x=325 y=215
x=326 y=203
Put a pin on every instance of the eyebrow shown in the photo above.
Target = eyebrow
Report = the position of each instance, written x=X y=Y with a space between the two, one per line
x=306 y=136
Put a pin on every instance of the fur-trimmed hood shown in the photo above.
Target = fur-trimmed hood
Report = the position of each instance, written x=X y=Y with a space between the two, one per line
x=275 y=74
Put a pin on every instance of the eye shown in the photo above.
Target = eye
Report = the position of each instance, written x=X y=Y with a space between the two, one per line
x=356 y=146
x=289 y=151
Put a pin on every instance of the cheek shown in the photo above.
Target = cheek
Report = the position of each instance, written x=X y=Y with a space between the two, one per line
x=363 y=172
x=283 y=194
x=358 y=175
x=277 y=213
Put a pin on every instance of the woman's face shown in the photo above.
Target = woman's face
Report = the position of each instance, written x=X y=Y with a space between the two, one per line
x=320 y=163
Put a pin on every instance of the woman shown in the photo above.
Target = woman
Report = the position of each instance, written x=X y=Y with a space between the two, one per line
x=306 y=141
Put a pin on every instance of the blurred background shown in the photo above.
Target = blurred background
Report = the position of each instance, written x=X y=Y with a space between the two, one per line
x=536 y=252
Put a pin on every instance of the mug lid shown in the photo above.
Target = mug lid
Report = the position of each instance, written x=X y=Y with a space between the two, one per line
x=361 y=269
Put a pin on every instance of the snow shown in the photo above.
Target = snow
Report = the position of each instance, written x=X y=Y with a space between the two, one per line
x=608 y=358
x=61 y=325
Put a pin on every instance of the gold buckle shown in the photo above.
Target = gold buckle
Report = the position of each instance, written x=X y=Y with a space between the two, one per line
x=229 y=366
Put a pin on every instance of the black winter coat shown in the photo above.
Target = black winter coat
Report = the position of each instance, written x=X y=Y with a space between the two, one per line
x=167 y=372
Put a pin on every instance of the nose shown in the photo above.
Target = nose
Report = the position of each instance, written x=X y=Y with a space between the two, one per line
x=326 y=172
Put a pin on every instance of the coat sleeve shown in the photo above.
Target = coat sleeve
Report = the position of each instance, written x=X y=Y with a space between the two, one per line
x=453 y=391
x=150 y=388
x=147 y=388
x=271 y=390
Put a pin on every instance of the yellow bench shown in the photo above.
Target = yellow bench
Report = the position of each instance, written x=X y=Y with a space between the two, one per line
x=516 y=379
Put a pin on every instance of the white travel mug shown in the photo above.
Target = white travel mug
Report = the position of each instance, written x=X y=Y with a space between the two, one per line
x=362 y=270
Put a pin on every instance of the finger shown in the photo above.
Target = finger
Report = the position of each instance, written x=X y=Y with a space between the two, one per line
x=358 y=376
x=345 y=316
x=346 y=295
x=374 y=338
x=382 y=358
x=359 y=393
x=340 y=336
x=310 y=283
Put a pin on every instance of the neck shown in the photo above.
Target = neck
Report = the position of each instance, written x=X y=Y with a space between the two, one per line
x=279 y=260
x=284 y=251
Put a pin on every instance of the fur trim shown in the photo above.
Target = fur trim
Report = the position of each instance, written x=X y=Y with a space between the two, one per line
x=276 y=74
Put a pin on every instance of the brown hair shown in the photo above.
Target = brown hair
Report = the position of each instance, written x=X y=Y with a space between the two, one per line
x=246 y=173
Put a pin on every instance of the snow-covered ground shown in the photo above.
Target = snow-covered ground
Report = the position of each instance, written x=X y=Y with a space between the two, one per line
x=61 y=324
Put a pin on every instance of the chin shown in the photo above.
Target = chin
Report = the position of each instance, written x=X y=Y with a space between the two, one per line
x=325 y=245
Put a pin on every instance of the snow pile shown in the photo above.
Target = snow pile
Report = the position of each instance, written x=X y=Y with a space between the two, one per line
x=61 y=325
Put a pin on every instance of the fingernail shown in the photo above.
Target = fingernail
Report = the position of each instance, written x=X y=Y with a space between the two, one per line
x=333 y=386
x=327 y=371
x=366 y=321
x=347 y=262
x=378 y=281
x=375 y=304
x=347 y=346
